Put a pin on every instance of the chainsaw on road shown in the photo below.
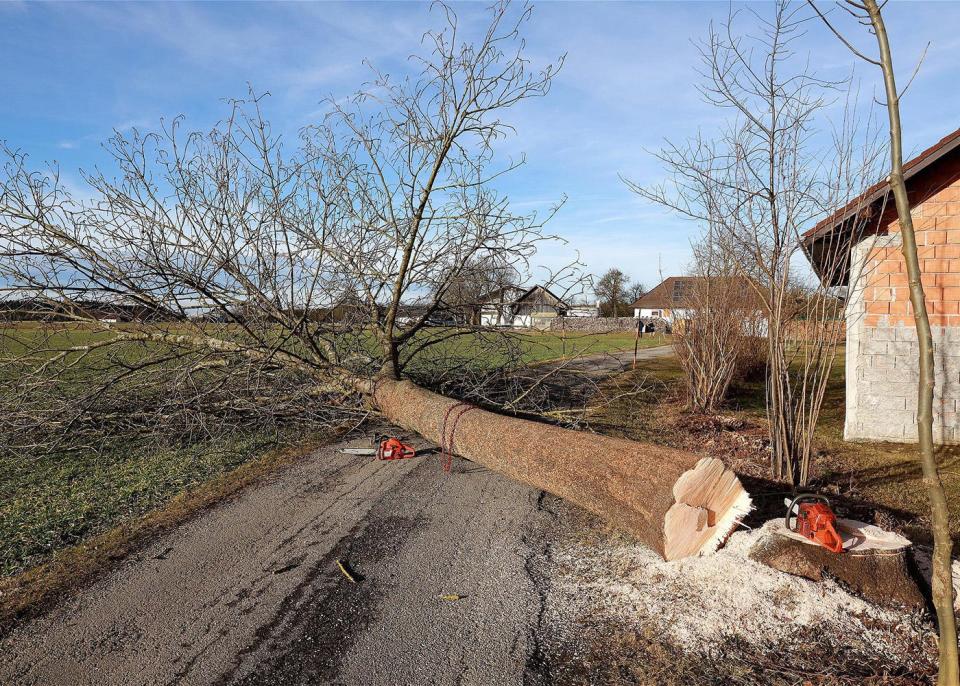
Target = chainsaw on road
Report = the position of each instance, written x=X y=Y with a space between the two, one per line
x=394 y=449
x=813 y=519
x=387 y=449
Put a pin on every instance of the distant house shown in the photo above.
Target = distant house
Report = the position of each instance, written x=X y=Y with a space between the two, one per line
x=669 y=300
x=882 y=367
x=674 y=300
x=514 y=306
x=409 y=314
x=497 y=307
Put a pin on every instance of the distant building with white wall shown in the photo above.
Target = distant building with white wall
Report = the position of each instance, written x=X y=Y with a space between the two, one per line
x=668 y=300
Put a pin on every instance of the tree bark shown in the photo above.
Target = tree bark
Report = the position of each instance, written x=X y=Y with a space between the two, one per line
x=673 y=501
x=942 y=582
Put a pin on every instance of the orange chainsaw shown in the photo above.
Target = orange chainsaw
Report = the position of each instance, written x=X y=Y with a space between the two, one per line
x=814 y=520
x=393 y=449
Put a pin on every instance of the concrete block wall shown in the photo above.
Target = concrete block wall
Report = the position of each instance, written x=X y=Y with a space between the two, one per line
x=885 y=376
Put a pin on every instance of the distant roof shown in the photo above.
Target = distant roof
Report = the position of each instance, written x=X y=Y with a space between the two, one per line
x=675 y=292
x=504 y=294
x=671 y=292
x=544 y=290
x=517 y=294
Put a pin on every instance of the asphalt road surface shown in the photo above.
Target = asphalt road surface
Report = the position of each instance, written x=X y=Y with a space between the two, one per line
x=450 y=571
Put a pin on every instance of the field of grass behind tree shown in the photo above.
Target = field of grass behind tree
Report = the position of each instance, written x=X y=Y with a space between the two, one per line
x=52 y=501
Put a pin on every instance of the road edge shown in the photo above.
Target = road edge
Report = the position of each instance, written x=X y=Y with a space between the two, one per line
x=34 y=591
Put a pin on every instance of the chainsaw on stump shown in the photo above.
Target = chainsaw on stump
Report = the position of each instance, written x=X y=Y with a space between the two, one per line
x=814 y=520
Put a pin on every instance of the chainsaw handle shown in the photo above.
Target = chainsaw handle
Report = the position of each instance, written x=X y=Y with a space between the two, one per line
x=796 y=499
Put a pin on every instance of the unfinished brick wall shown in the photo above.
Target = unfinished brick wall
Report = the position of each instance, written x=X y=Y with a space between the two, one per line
x=882 y=349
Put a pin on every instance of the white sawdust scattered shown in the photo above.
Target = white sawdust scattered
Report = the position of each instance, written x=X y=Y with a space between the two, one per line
x=699 y=603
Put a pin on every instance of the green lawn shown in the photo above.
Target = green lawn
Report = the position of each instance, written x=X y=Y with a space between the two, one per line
x=541 y=347
x=56 y=500
x=50 y=502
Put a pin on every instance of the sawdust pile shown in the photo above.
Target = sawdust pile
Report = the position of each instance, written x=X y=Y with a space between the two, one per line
x=699 y=604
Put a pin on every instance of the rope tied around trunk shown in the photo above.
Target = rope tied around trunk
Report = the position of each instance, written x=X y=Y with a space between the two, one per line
x=447 y=441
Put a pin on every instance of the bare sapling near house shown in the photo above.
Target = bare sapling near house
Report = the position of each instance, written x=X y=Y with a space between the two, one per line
x=869 y=13
x=718 y=329
x=255 y=282
x=754 y=187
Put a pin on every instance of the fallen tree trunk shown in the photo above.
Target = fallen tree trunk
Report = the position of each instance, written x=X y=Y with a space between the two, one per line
x=874 y=563
x=673 y=501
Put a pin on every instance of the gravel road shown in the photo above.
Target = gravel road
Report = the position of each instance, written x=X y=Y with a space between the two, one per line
x=250 y=591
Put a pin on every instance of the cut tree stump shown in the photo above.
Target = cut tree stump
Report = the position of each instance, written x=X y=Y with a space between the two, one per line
x=874 y=564
x=673 y=501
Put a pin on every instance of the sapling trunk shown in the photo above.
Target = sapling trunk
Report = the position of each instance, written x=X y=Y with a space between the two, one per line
x=943 y=545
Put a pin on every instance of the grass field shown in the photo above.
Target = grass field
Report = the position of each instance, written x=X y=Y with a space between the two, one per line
x=53 y=501
x=50 y=502
x=541 y=347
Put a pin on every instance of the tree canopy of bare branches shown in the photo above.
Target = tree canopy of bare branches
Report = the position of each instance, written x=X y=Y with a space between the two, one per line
x=719 y=329
x=226 y=271
x=613 y=288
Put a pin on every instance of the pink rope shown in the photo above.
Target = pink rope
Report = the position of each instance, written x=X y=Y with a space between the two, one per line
x=447 y=442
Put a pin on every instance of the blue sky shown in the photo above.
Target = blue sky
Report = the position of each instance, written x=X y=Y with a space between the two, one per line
x=74 y=72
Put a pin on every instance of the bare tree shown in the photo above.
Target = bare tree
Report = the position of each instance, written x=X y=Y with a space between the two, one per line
x=611 y=288
x=756 y=187
x=272 y=280
x=635 y=291
x=465 y=294
x=292 y=270
x=720 y=320
x=869 y=13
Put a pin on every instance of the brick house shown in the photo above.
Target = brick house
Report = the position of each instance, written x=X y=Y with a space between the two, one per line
x=882 y=349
